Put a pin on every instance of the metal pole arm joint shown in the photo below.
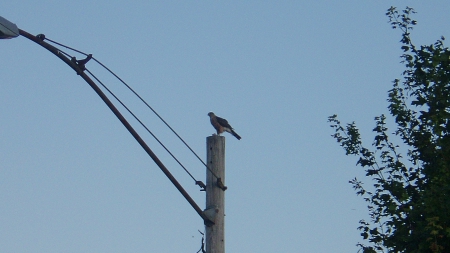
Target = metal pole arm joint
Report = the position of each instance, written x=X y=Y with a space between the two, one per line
x=81 y=63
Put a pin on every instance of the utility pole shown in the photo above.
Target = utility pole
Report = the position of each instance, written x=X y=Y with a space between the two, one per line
x=215 y=194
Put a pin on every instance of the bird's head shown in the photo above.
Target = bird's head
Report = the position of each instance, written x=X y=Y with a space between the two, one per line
x=210 y=114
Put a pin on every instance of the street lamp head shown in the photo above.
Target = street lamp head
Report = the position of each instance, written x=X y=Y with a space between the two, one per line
x=8 y=30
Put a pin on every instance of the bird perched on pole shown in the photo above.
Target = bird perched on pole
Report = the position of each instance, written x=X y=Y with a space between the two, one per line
x=221 y=125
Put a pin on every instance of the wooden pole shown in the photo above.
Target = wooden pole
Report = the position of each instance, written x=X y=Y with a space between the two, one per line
x=215 y=194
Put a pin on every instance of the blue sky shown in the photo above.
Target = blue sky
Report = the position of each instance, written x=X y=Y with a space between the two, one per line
x=72 y=179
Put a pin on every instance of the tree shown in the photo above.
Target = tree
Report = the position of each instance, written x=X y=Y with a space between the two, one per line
x=409 y=203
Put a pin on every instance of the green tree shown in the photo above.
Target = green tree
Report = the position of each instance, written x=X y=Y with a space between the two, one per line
x=409 y=203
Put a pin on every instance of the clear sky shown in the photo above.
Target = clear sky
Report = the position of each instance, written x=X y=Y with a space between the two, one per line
x=72 y=179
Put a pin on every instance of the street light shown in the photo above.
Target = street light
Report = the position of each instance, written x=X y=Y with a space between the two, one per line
x=8 y=30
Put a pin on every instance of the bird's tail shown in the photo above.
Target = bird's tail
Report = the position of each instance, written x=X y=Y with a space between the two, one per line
x=235 y=134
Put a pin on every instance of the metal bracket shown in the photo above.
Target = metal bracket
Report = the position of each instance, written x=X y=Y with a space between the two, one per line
x=221 y=185
x=81 y=63
x=202 y=185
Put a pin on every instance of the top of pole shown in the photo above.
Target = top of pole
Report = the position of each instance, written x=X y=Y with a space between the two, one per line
x=8 y=29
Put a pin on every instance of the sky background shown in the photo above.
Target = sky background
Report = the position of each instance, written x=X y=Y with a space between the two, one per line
x=72 y=179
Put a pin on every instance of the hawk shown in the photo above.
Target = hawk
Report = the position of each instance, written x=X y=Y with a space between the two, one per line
x=221 y=125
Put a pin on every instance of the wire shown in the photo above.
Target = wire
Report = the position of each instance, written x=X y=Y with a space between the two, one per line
x=146 y=128
x=142 y=100
x=135 y=93
x=145 y=102
x=59 y=44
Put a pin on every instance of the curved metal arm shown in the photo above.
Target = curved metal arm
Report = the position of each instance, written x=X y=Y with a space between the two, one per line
x=80 y=71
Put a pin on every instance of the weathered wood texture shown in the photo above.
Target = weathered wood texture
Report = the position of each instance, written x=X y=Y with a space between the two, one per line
x=215 y=196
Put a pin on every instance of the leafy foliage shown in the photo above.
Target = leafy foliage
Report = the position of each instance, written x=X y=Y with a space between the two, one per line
x=409 y=203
